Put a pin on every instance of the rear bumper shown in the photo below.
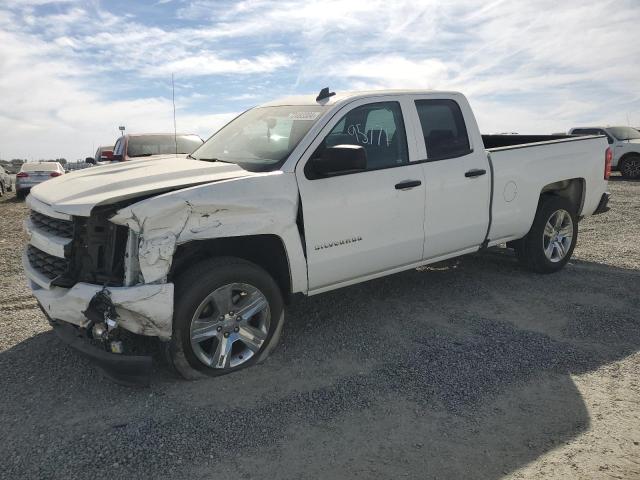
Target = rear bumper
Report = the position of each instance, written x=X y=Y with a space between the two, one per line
x=603 y=206
x=22 y=185
x=127 y=370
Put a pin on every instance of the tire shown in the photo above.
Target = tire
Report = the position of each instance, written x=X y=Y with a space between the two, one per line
x=21 y=194
x=202 y=294
x=547 y=248
x=630 y=167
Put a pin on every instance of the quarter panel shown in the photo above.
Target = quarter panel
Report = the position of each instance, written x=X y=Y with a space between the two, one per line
x=522 y=173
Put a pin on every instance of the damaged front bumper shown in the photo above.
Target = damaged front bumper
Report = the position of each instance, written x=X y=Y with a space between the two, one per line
x=142 y=309
x=145 y=310
x=130 y=370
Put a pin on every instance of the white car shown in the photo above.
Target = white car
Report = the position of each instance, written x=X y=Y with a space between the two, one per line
x=625 y=145
x=297 y=196
x=34 y=173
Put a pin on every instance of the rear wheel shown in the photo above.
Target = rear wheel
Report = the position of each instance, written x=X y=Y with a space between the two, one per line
x=21 y=194
x=228 y=316
x=549 y=244
x=630 y=167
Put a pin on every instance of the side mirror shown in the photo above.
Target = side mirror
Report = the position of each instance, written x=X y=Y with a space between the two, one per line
x=90 y=160
x=338 y=159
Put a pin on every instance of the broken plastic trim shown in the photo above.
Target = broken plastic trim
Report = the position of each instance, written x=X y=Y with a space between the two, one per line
x=129 y=370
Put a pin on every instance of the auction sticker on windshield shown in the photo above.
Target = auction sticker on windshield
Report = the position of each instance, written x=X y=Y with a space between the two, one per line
x=304 y=115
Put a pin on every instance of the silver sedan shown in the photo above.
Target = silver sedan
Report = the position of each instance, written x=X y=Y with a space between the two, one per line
x=32 y=174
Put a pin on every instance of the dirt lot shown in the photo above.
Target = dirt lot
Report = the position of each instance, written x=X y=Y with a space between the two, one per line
x=475 y=369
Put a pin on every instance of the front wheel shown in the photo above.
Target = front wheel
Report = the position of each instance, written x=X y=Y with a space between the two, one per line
x=228 y=316
x=549 y=244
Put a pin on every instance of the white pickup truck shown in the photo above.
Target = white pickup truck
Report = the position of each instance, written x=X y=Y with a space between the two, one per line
x=301 y=195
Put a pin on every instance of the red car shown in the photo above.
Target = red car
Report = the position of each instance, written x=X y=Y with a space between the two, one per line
x=132 y=146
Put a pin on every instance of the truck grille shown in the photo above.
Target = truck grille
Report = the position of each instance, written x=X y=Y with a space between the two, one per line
x=54 y=226
x=48 y=265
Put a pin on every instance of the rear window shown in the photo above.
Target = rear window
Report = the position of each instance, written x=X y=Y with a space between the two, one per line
x=445 y=134
x=40 y=167
x=624 y=133
x=147 y=145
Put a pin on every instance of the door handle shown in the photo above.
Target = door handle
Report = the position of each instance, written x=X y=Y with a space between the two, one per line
x=407 y=184
x=475 y=172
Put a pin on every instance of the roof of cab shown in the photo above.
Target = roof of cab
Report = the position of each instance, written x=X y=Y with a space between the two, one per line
x=310 y=99
x=180 y=134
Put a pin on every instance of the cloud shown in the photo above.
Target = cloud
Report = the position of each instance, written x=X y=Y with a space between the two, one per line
x=72 y=71
x=210 y=64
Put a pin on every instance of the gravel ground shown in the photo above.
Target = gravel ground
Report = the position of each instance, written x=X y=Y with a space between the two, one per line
x=469 y=369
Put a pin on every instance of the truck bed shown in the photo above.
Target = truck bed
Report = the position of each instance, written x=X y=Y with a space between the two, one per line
x=522 y=165
x=499 y=141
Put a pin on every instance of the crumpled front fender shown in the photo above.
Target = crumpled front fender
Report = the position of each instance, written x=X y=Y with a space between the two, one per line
x=261 y=204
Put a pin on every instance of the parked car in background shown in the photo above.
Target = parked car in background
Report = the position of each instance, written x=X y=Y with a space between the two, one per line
x=625 y=145
x=32 y=174
x=103 y=154
x=6 y=182
x=132 y=146
x=302 y=195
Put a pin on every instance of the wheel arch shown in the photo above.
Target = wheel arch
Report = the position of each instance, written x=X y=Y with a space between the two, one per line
x=266 y=250
x=572 y=189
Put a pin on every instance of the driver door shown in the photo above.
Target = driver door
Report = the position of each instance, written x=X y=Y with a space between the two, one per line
x=360 y=224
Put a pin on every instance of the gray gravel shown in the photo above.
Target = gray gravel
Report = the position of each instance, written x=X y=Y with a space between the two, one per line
x=463 y=370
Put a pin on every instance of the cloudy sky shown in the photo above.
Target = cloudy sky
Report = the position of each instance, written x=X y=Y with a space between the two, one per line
x=72 y=71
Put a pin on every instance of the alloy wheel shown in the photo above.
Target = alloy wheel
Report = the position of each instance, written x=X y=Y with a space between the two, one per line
x=558 y=235
x=230 y=326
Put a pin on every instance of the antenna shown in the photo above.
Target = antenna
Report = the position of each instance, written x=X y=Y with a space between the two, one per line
x=173 y=99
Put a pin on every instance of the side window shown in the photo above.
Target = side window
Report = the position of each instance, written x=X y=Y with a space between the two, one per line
x=117 y=149
x=379 y=128
x=445 y=134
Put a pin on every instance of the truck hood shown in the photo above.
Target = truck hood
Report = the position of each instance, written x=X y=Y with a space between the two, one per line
x=79 y=192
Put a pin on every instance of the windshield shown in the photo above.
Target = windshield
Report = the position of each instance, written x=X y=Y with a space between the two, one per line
x=261 y=138
x=624 y=133
x=147 y=145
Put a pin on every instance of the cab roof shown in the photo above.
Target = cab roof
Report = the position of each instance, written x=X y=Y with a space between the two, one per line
x=339 y=97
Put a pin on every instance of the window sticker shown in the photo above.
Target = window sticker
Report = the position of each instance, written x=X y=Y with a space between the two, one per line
x=373 y=137
x=304 y=115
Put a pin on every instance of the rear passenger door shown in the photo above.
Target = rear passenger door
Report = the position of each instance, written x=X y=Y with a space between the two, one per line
x=457 y=176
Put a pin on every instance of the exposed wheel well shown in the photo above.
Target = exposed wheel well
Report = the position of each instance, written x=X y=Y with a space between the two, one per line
x=572 y=189
x=268 y=251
